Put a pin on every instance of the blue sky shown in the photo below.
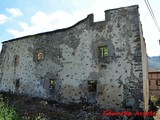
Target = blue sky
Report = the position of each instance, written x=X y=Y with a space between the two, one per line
x=24 y=17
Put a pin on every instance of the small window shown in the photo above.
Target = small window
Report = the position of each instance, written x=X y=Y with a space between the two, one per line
x=40 y=56
x=17 y=83
x=92 y=86
x=16 y=60
x=103 y=52
x=52 y=84
x=158 y=82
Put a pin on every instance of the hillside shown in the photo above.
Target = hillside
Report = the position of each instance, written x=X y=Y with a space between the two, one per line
x=154 y=63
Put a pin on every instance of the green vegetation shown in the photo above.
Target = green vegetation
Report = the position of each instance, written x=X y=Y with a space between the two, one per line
x=7 y=112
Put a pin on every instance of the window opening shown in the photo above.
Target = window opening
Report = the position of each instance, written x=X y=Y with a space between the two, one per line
x=103 y=51
x=92 y=86
x=52 y=84
x=158 y=82
x=40 y=56
x=16 y=60
x=17 y=83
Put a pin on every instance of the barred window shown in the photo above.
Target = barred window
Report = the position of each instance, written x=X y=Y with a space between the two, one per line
x=103 y=52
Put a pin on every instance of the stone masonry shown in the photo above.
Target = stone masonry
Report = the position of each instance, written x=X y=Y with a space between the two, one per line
x=70 y=65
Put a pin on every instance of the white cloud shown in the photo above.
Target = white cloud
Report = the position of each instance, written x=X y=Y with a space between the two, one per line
x=15 y=32
x=41 y=21
x=14 y=11
x=3 y=18
x=54 y=20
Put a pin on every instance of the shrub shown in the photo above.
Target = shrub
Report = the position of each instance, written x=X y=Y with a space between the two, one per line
x=7 y=112
x=154 y=99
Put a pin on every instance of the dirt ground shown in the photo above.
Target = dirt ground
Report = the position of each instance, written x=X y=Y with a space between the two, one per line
x=29 y=108
x=39 y=109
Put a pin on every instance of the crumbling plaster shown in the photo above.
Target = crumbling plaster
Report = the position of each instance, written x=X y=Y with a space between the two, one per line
x=71 y=58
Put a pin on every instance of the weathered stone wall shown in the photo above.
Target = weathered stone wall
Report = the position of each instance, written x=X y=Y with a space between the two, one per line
x=70 y=57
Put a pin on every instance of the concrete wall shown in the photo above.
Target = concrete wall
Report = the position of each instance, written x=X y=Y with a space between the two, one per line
x=70 y=57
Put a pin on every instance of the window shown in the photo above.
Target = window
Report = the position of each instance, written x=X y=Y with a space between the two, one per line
x=158 y=82
x=52 y=84
x=39 y=55
x=17 y=83
x=16 y=60
x=92 y=86
x=103 y=52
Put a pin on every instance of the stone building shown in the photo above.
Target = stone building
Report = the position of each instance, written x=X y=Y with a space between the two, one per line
x=94 y=62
